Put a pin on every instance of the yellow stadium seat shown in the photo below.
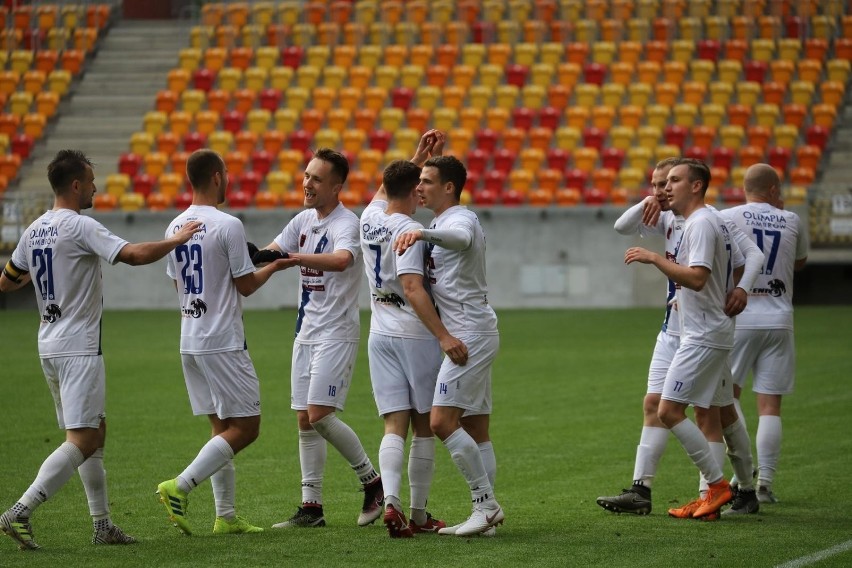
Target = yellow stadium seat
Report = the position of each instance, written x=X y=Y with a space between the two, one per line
x=748 y=92
x=631 y=178
x=567 y=137
x=291 y=161
x=603 y=117
x=721 y=92
x=622 y=137
x=422 y=54
x=682 y=50
x=141 y=143
x=526 y=54
x=255 y=78
x=639 y=94
x=280 y=77
x=801 y=92
x=20 y=103
x=586 y=95
x=326 y=138
x=506 y=96
x=490 y=75
x=154 y=122
x=131 y=201
x=192 y=100
x=658 y=115
x=286 y=119
x=155 y=163
x=206 y=121
x=220 y=141
x=406 y=139
x=480 y=96
x=412 y=76
x=577 y=116
x=603 y=52
x=631 y=115
x=694 y=92
x=838 y=70
x=445 y=118
x=552 y=53
x=229 y=79
x=667 y=93
x=178 y=80
x=785 y=135
x=612 y=94
x=649 y=136
x=789 y=49
x=586 y=159
x=470 y=118
x=258 y=120
x=59 y=81
x=428 y=97
x=729 y=71
x=542 y=74
x=639 y=157
x=731 y=136
x=117 y=184
x=766 y=114
x=702 y=70
x=712 y=114
x=763 y=49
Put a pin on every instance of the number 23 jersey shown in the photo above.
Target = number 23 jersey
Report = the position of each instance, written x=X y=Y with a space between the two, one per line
x=204 y=269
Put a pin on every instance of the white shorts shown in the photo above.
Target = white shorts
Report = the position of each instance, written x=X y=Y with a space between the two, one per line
x=78 y=387
x=321 y=373
x=403 y=372
x=224 y=384
x=469 y=386
x=696 y=374
x=770 y=355
x=664 y=352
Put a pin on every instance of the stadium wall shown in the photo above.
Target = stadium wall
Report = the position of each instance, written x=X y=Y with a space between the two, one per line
x=537 y=258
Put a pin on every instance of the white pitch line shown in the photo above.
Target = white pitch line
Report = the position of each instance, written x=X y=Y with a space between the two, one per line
x=817 y=556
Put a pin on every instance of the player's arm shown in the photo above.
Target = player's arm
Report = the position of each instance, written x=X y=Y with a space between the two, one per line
x=800 y=263
x=753 y=257
x=248 y=284
x=415 y=293
x=455 y=238
x=136 y=254
x=13 y=278
x=692 y=277
x=336 y=261
x=646 y=212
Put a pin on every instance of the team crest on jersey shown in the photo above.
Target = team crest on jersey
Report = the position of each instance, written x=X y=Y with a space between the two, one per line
x=51 y=313
x=196 y=309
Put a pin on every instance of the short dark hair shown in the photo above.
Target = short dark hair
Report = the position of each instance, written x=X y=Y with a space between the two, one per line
x=339 y=163
x=202 y=165
x=66 y=167
x=451 y=170
x=400 y=177
x=698 y=171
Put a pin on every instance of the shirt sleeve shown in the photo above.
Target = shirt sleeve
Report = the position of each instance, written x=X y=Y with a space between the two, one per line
x=98 y=240
x=20 y=258
x=288 y=239
x=412 y=261
x=237 y=249
x=701 y=244
x=346 y=236
x=802 y=242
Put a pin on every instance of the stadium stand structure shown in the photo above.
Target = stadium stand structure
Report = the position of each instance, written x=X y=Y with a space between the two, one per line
x=549 y=102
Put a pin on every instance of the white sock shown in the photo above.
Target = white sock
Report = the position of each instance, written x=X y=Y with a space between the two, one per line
x=212 y=457
x=717 y=449
x=698 y=449
x=768 y=448
x=312 y=455
x=739 y=452
x=421 y=469
x=93 y=476
x=652 y=444
x=391 y=456
x=739 y=407
x=224 y=484
x=346 y=441
x=465 y=454
x=489 y=460
x=54 y=472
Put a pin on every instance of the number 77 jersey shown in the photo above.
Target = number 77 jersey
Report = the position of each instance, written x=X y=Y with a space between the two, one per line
x=62 y=251
x=778 y=233
x=204 y=269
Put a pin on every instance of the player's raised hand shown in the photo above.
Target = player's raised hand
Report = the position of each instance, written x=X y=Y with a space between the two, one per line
x=424 y=148
x=651 y=210
x=638 y=254
x=438 y=145
x=406 y=241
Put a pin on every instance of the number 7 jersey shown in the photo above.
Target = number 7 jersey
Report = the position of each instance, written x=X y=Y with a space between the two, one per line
x=204 y=269
x=62 y=251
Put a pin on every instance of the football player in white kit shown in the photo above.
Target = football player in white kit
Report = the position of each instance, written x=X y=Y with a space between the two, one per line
x=763 y=341
x=211 y=273
x=461 y=407
x=406 y=340
x=703 y=273
x=652 y=216
x=61 y=252
x=324 y=239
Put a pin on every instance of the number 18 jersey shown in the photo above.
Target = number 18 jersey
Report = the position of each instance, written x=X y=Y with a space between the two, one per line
x=62 y=251
x=204 y=268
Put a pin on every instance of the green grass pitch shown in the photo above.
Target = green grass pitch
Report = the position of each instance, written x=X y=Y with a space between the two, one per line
x=568 y=387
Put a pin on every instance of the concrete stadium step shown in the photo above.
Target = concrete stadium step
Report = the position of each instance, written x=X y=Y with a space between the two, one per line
x=108 y=103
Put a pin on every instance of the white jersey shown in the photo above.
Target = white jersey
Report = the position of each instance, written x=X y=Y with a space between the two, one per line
x=391 y=313
x=457 y=277
x=706 y=242
x=204 y=268
x=328 y=301
x=670 y=226
x=62 y=251
x=779 y=235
